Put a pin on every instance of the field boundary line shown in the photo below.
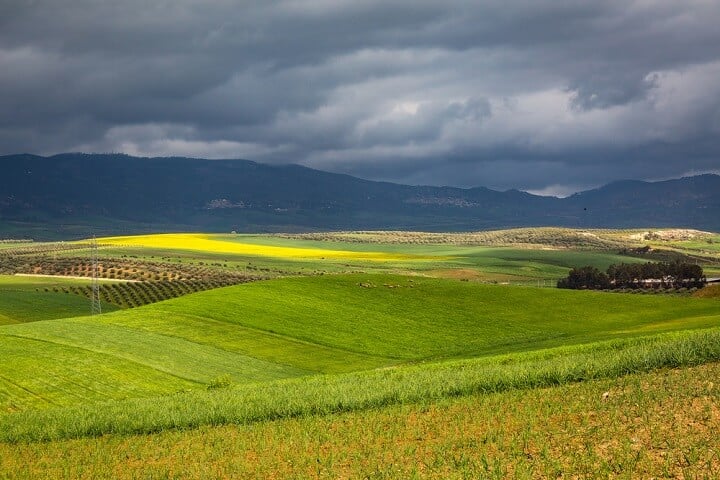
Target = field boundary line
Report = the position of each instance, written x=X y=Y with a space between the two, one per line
x=99 y=352
x=278 y=335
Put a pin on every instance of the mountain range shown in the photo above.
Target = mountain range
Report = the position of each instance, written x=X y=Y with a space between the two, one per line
x=76 y=194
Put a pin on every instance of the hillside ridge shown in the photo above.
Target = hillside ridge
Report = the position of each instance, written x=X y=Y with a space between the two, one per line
x=117 y=193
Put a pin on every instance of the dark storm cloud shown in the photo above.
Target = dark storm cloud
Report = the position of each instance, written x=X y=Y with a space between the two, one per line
x=542 y=95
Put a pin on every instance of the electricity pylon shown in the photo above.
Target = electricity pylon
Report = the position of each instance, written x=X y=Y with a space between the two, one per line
x=95 y=307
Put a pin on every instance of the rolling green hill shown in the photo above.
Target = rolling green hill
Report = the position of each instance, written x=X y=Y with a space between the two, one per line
x=302 y=326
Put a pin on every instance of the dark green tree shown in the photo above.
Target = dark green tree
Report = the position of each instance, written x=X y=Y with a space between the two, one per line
x=585 y=278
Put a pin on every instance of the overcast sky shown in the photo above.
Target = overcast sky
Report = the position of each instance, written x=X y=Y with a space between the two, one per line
x=549 y=96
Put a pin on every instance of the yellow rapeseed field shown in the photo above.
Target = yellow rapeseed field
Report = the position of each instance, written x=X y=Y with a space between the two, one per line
x=206 y=243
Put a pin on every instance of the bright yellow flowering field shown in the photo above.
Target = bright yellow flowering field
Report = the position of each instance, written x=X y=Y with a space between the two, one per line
x=206 y=243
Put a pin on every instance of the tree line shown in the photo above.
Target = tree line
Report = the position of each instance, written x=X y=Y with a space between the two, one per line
x=635 y=275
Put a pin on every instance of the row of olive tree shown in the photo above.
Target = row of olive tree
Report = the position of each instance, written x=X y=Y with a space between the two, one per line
x=635 y=275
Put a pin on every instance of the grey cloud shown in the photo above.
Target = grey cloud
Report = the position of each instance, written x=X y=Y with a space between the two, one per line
x=518 y=94
x=603 y=91
x=421 y=122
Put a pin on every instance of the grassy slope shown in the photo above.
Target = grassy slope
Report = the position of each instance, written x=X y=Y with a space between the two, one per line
x=663 y=424
x=362 y=390
x=298 y=326
x=24 y=299
x=414 y=318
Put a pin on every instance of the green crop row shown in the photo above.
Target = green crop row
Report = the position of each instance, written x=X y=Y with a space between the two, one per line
x=136 y=294
x=329 y=394
x=648 y=425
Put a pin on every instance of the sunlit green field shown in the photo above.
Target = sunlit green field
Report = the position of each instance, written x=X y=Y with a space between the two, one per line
x=330 y=362
x=710 y=244
x=301 y=326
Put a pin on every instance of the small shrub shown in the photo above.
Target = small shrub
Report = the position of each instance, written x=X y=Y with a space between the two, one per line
x=217 y=383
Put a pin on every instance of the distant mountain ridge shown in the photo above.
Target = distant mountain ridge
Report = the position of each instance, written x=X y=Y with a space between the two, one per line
x=117 y=193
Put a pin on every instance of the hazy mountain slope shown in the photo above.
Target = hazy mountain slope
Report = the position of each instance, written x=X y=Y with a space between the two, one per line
x=123 y=193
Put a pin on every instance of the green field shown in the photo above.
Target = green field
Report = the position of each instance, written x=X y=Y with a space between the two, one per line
x=663 y=425
x=358 y=333
x=504 y=256
x=301 y=326
x=516 y=264
x=521 y=256
x=26 y=299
